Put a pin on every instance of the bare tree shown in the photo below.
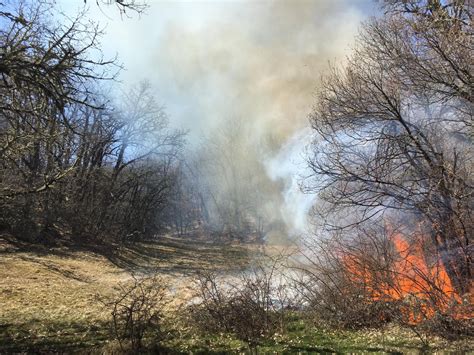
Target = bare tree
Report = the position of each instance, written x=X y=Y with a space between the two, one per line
x=47 y=75
x=44 y=71
x=185 y=208
x=395 y=129
x=141 y=161
x=124 y=6
x=236 y=192
x=72 y=164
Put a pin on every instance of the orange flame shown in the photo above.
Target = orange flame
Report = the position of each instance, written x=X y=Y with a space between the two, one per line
x=424 y=289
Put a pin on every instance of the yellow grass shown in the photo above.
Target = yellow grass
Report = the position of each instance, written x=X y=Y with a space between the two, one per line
x=50 y=297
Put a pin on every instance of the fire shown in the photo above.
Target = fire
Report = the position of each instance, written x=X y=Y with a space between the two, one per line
x=424 y=288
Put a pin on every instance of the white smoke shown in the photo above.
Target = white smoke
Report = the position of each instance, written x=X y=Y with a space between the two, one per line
x=258 y=60
x=290 y=165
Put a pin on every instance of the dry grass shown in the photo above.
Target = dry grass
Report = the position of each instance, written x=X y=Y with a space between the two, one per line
x=54 y=287
x=183 y=256
x=48 y=298
x=44 y=298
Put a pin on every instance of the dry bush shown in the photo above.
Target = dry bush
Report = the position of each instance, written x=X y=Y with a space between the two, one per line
x=336 y=300
x=333 y=291
x=372 y=278
x=137 y=310
x=454 y=323
x=253 y=306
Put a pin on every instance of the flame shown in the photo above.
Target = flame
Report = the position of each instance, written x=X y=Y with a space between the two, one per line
x=425 y=288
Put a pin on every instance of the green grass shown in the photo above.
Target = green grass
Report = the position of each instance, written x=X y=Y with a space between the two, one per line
x=52 y=336
x=303 y=337
x=299 y=337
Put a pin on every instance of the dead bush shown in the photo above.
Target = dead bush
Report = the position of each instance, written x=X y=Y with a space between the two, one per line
x=333 y=299
x=252 y=306
x=377 y=277
x=454 y=323
x=137 y=311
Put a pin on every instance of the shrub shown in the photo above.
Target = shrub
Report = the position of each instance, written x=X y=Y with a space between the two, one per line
x=252 y=306
x=137 y=310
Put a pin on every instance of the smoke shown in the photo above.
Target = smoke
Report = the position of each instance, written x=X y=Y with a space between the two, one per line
x=290 y=166
x=258 y=62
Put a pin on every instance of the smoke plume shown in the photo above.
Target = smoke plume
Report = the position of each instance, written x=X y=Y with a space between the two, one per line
x=256 y=62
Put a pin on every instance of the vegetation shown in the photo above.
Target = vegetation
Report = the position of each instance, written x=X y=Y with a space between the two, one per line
x=38 y=288
x=137 y=310
x=74 y=167
x=392 y=165
x=115 y=238
x=252 y=306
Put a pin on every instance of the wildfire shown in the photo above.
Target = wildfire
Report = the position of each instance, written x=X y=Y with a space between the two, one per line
x=423 y=287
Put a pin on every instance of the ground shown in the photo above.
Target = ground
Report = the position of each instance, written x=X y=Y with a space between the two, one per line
x=49 y=301
x=49 y=296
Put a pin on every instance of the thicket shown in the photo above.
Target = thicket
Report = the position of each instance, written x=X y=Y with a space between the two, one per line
x=75 y=164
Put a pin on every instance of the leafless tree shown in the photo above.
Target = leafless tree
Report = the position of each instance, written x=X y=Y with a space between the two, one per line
x=72 y=163
x=45 y=70
x=137 y=167
x=124 y=6
x=233 y=184
x=394 y=129
x=185 y=208
x=47 y=75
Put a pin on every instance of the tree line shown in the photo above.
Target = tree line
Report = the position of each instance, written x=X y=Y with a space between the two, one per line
x=73 y=162
x=77 y=164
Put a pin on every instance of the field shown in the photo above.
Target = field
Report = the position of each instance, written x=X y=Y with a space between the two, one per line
x=49 y=302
